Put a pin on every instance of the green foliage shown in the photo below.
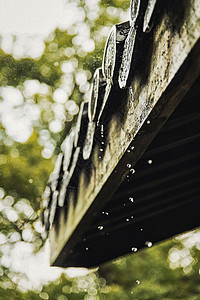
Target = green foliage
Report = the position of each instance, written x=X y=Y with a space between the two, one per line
x=25 y=168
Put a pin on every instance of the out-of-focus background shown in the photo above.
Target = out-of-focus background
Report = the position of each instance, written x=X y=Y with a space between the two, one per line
x=49 y=51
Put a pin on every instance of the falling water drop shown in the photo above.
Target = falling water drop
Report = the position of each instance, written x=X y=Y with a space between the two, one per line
x=134 y=249
x=148 y=244
x=131 y=199
x=100 y=227
x=132 y=171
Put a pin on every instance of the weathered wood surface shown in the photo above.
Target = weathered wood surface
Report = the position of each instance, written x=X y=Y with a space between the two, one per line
x=167 y=65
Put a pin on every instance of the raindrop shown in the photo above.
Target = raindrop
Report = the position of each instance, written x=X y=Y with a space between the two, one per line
x=132 y=217
x=132 y=171
x=100 y=227
x=87 y=248
x=105 y=213
x=102 y=143
x=131 y=199
x=128 y=166
x=101 y=149
x=134 y=249
x=148 y=244
x=127 y=220
x=137 y=281
x=141 y=229
x=149 y=161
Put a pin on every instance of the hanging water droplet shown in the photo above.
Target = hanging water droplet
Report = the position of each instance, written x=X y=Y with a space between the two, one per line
x=101 y=149
x=84 y=239
x=128 y=166
x=137 y=281
x=99 y=156
x=149 y=161
x=127 y=220
x=141 y=229
x=102 y=143
x=131 y=199
x=100 y=227
x=148 y=244
x=86 y=248
x=132 y=217
x=132 y=171
x=134 y=249
x=127 y=176
x=148 y=122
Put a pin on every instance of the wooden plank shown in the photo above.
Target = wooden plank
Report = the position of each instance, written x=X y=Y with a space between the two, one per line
x=169 y=66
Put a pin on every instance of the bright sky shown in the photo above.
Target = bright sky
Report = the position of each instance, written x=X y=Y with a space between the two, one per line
x=33 y=16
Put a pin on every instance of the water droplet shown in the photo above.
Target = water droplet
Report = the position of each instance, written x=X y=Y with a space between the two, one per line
x=105 y=213
x=131 y=199
x=134 y=249
x=100 y=227
x=128 y=166
x=132 y=217
x=84 y=239
x=31 y=180
x=141 y=229
x=148 y=122
x=101 y=149
x=132 y=171
x=132 y=148
x=124 y=204
x=149 y=161
x=86 y=248
x=137 y=281
x=127 y=220
x=102 y=143
x=148 y=244
x=99 y=156
x=127 y=176
x=128 y=151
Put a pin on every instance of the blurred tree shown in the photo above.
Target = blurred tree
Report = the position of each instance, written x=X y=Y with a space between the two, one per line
x=44 y=95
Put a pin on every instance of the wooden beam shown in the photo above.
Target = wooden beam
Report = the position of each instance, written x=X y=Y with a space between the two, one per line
x=165 y=64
